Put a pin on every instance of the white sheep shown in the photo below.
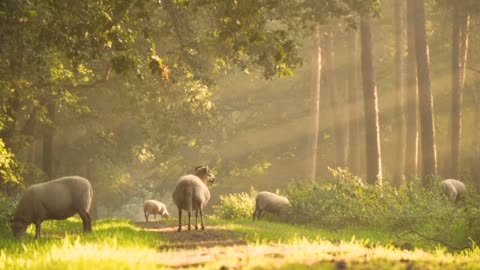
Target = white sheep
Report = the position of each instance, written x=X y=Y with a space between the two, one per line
x=57 y=199
x=191 y=193
x=153 y=207
x=269 y=202
x=454 y=189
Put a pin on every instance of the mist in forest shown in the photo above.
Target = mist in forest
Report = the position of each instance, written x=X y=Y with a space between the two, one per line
x=254 y=121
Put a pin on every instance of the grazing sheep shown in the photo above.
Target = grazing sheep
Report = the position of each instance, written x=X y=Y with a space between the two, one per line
x=454 y=189
x=191 y=193
x=269 y=202
x=153 y=207
x=57 y=199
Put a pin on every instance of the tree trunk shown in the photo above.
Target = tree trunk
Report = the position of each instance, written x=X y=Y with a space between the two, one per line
x=476 y=142
x=459 y=58
x=372 y=130
x=48 y=142
x=400 y=136
x=331 y=83
x=427 y=127
x=317 y=64
x=354 y=108
x=411 y=147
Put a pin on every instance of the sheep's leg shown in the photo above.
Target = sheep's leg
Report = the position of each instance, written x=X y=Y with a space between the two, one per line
x=179 y=220
x=38 y=229
x=146 y=216
x=86 y=220
x=154 y=216
x=258 y=214
x=201 y=218
x=189 y=217
x=254 y=214
x=196 y=217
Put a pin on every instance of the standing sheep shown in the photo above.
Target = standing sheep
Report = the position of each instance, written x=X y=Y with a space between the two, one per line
x=153 y=207
x=191 y=193
x=57 y=199
x=454 y=189
x=269 y=202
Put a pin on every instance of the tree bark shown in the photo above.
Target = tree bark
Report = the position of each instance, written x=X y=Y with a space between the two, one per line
x=317 y=64
x=354 y=108
x=372 y=130
x=460 y=31
x=400 y=136
x=427 y=127
x=411 y=147
x=331 y=83
x=48 y=142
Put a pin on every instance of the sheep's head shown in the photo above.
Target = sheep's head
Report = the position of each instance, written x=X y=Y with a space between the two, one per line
x=165 y=214
x=204 y=173
x=18 y=228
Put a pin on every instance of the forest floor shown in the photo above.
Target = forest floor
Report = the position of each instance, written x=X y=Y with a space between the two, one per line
x=122 y=244
x=224 y=247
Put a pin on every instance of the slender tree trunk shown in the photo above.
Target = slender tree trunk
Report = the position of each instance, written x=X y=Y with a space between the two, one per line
x=476 y=141
x=400 y=90
x=331 y=83
x=427 y=127
x=372 y=130
x=411 y=148
x=317 y=65
x=354 y=108
x=48 y=142
x=460 y=31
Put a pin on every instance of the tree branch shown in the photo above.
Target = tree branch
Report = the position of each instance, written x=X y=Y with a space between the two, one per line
x=473 y=69
x=436 y=240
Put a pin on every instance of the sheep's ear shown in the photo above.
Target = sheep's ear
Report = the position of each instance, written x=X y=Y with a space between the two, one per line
x=197 y=168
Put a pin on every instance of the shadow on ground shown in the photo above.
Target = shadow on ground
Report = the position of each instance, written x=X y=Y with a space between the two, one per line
x=213 y=236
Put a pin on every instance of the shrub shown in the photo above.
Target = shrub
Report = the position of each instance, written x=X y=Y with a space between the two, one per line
x=7 y=210
x=237 y=205
x=344 y=201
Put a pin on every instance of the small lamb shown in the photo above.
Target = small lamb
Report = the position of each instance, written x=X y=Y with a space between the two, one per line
x=57 y=199
x=191 y=193
x=269 y=202
x=454 y=189
x=153 y=207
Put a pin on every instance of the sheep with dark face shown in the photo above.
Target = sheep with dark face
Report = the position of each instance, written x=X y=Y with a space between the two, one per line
x=153 y=207
x=57 y=199
x=454 y=189
x=270 y=202
x=191 y=194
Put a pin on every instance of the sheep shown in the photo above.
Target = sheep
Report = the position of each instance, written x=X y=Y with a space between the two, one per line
x=56 y=199
x=191 y=193
x=269 y=202
x=153 y=207
x=454 y=189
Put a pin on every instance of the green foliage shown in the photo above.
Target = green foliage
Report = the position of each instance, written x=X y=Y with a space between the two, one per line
x=7 y=210
x=344 y=202
x=7 y=165
x=237 y=205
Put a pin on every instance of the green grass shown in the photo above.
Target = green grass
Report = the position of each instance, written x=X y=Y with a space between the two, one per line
x=119 y=244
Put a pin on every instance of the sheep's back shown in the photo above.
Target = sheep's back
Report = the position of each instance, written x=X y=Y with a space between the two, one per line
x=57 y=199
x=152 y=206
x=271 y=202
x=191 y=183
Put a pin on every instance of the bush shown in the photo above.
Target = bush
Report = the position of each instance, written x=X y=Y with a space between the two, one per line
x=237 y=205
x=344 y=201
x=7 y=210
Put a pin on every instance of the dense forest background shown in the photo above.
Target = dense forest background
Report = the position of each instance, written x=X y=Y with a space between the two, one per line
x=134 y=94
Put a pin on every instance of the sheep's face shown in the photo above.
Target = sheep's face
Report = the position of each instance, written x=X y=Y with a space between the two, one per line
x=19 y=229
x=166 y=215
x=205 y=174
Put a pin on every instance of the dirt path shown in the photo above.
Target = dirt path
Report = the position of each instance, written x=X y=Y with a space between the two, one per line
x=211 y=237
